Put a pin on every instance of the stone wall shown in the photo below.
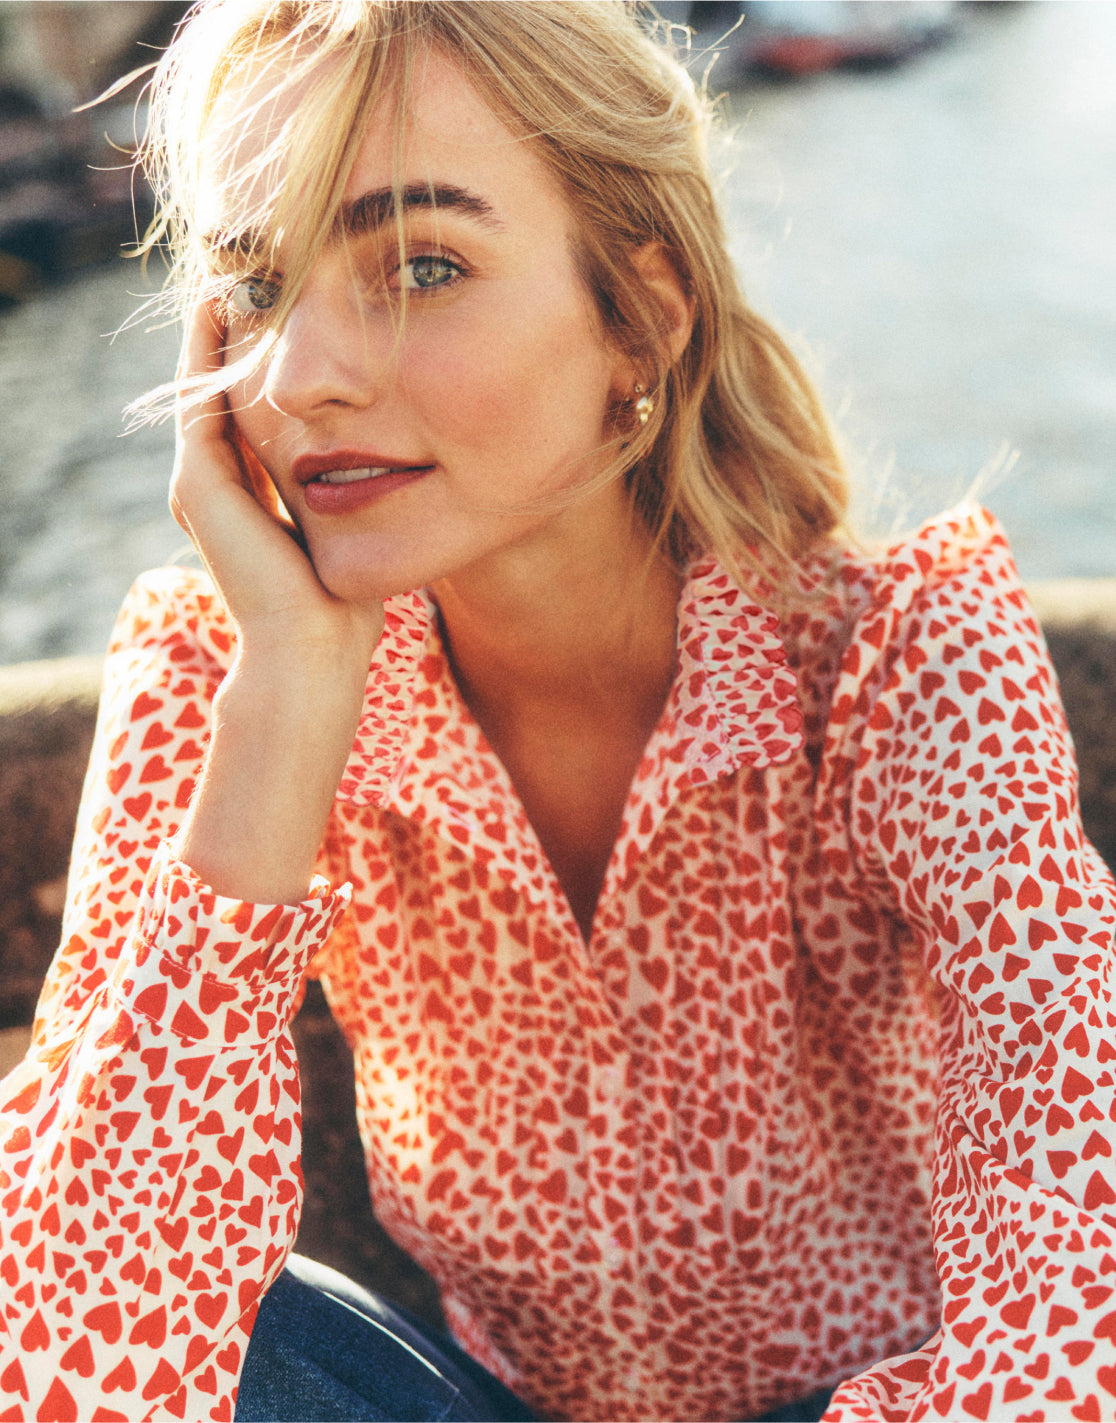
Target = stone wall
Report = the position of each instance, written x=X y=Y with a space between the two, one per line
x=47 y=713
x=1078 y=617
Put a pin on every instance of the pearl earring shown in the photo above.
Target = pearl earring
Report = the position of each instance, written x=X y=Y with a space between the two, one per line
x=644 y=405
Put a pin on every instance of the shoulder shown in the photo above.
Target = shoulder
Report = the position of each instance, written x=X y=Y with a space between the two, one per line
x=172 y=644
x=958 y=565
x=845 y=583
x=945 y=660
x=177 y=614
x=943 y=595
x=949 y=594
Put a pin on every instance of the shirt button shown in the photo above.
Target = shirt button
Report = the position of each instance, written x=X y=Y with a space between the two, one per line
x=610 y=1082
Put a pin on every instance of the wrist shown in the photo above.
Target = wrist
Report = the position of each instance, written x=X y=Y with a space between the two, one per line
x=282 y=732
x=277 y=646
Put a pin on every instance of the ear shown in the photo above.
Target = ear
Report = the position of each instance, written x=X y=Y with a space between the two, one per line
x=656 y=267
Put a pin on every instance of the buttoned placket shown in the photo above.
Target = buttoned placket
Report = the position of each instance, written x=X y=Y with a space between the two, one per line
x=467 y=798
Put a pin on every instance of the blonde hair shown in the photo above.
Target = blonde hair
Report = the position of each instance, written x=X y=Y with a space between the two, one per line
x=737 y=458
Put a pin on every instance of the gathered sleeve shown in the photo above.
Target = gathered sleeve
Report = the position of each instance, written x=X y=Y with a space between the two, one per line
x=149 y=1143
x=952 y=770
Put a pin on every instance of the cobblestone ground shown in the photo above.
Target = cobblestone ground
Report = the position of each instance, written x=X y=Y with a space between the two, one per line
x=940 y=236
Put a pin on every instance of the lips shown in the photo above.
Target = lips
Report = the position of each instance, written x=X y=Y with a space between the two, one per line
x=343 y=481
x=346 y=466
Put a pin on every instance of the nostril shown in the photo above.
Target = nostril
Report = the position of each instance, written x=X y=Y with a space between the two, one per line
x=322 y=360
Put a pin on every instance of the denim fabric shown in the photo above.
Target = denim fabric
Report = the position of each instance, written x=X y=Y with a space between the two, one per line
x=803 y=1410
x=324 y=1349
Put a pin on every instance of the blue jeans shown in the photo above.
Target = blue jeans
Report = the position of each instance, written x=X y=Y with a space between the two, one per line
x=325 y=1349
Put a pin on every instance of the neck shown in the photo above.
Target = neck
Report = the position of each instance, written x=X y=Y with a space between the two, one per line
x=564 y=651
x=584 y=624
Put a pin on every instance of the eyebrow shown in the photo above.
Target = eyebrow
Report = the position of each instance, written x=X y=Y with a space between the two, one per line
x=373 y=210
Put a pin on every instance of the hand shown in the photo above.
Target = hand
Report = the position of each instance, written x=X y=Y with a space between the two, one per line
x=285 y=716
x=223 y=498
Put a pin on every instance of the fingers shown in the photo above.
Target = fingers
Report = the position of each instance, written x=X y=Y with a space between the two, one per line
x=206 y=461
x=220 y=493
x=202 y=357
x=203 y=344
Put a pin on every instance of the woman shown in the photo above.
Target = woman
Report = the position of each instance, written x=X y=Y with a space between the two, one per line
x=705 y=901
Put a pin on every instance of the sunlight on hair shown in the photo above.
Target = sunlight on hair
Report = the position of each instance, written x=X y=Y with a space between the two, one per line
x=737 y=458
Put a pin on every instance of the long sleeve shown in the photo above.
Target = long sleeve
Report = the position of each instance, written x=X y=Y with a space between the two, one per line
x=952 y=776
x=149 y=1176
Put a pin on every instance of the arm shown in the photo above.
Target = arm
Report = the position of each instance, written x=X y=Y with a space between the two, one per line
x=957 y=785
x=149 y=1179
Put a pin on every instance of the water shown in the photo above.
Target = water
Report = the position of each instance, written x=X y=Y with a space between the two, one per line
x=84 y=508
x=943 y=237
x=940 y=238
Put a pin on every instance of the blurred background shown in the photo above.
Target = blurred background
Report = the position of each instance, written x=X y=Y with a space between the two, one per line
x=922 y=195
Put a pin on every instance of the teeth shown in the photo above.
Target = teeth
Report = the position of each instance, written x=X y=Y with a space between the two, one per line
x=350 y=476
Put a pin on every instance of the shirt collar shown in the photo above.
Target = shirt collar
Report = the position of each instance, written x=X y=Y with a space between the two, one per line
x=735 y=695
x=733 y=704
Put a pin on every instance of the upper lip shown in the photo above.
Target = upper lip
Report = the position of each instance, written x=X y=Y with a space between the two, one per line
x=310 y=465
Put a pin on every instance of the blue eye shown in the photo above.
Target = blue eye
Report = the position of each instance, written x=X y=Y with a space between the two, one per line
x=429 y=271
x=254 y=296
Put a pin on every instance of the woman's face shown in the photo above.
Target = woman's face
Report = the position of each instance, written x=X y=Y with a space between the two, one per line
x=404 y=459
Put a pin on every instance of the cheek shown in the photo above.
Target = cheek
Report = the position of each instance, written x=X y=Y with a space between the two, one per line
x=525 y=377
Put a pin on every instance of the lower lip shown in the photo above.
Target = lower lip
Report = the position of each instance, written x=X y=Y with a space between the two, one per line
x=324 y=498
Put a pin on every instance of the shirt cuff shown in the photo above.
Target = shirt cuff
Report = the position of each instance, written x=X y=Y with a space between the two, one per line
x=214 y=969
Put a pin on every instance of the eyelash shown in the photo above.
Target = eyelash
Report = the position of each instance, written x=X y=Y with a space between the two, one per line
x=250 y=289
x=269 y=285
x=456 y=269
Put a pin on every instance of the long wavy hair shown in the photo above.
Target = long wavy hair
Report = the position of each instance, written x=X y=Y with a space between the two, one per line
x=737 y=458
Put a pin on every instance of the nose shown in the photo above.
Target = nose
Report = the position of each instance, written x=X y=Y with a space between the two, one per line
x=331 y=354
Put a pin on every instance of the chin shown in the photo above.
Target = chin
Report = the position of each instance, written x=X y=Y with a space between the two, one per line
x=364 y=580
x=360 y=588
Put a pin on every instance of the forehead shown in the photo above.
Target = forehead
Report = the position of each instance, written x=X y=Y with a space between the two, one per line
x=451 y=136
x=448 y=119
